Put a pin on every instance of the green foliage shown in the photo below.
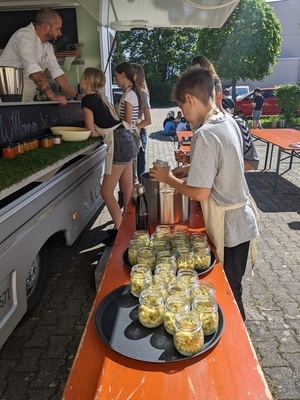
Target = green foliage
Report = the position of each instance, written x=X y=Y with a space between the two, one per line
x=247 y=45
x=288 y=98
x=163 y=53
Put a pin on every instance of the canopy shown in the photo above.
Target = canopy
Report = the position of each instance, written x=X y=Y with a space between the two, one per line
x=143 y=14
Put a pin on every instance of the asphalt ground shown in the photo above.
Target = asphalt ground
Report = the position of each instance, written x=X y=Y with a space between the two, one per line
x=36 y=359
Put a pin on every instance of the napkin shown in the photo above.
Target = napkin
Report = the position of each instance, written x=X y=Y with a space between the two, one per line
x=68 y=62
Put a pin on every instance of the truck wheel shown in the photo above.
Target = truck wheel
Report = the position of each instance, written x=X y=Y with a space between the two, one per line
x=35 y=280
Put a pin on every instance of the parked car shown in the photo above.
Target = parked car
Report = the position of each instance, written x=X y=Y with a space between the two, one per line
x=240 y=91
x=117 y=94
x=269 y=108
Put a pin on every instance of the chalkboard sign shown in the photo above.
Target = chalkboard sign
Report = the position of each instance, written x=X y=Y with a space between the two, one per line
x=11 y=21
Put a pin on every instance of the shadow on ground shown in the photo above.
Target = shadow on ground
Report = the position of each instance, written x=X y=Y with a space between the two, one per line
x=261 y=186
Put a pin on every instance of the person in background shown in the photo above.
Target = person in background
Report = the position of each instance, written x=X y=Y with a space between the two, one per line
x=216 y=176
x=101 y=118
x=178 y=117
x=227 y=102
x=181 y=125
x=169 y=114
x=144 y=117
x=258 y=102
x=170 y=127
x=130 y=104
x=31 y=48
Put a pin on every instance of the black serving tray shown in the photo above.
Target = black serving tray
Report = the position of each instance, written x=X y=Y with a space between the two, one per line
x=201 y=272
x=117 y=324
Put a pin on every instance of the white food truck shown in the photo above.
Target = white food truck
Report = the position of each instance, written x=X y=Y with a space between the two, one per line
x=65 y=196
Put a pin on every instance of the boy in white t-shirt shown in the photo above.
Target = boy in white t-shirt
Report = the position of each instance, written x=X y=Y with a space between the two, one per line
x=216 y=176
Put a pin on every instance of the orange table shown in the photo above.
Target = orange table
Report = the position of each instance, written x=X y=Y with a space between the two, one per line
x=282 y=138
x=181 y=144
x=229 y=371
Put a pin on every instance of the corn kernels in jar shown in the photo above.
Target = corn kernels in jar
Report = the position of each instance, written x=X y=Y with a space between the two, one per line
x=146 y=255
x=173 y=305
x=151 y=308
x=207 y=308
x=188 y=334
x=138 y=274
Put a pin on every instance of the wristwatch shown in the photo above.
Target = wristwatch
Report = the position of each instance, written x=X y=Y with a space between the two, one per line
x=76 y=96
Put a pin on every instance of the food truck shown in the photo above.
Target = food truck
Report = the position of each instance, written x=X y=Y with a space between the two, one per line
x=64 y=196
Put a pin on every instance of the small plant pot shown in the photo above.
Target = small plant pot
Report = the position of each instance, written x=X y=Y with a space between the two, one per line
x=274 y=123
x=281 y=123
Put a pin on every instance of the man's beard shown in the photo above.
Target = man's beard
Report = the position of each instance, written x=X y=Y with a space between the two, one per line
x=52 y=41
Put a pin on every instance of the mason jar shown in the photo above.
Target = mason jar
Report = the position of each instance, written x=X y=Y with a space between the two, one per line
x=138 y=274
x=198 y=237
x=188 y=275
x=167 y=256
x=146 y=255
x=165 y=271
x=184 y=258
x=207 y=308
x=151 y=308
x=202 y=256
x=178 y=288
x=159 y=245
x=173 y=305
x=180 y=228
x=133 y=247
x=156 y=283
x=163 y=232
x=188 y=334
x=180 y=236
x=202 y=288
x=142 y=236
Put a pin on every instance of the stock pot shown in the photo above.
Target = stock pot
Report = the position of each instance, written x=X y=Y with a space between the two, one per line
x=11 y=84
x=165 y=205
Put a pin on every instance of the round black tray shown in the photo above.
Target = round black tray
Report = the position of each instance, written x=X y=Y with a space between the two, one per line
x=200 y=272
x=117 y=324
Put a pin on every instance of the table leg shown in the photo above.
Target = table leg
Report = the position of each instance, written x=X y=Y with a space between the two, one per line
x=277 y=172
x=270 y=163
x=267 y=155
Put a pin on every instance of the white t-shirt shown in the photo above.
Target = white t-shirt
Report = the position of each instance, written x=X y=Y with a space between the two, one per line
x=25 y=50
x=181 y=127
x=217 y=163
x=130 y=96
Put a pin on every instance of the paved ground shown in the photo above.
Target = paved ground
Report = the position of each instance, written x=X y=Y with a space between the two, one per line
x=36 y=359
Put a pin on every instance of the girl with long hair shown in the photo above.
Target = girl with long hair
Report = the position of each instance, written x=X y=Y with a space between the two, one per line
x=130 y=103
x=144 y=116
x=101 y=118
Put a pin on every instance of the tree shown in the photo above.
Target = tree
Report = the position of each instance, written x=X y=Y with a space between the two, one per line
x=288 y=98
x=167 y=51
x=163 y=53
x=247 y=45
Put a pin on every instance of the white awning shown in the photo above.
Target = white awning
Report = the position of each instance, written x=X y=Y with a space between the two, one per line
x=143 y=14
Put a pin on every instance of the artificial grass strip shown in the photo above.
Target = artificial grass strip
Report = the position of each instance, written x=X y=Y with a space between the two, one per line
x=14 y=170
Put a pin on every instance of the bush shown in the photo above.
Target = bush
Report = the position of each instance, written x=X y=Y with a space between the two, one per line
x=160 y=91
x=288 y=98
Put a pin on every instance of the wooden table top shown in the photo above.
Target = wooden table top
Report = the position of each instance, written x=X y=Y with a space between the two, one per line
x=228 y=371
x=182 y=134
x=279 y=137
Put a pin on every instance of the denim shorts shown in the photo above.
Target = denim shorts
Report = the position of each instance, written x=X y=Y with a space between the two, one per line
x=256 y=115
x=124 y=146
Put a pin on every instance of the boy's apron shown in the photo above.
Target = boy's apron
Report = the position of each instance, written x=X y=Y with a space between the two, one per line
x=214 y=220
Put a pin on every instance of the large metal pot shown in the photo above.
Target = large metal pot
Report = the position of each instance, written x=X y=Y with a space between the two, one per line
x=165 y=204
x=11 y=84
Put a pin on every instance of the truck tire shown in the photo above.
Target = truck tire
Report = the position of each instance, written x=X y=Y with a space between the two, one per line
x=35 y=280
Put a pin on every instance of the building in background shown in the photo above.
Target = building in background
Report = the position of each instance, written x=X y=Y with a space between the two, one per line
x=287 y=69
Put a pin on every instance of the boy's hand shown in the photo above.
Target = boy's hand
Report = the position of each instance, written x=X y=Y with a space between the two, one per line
x=180 y=156
x=181 y=172
x=160 y=174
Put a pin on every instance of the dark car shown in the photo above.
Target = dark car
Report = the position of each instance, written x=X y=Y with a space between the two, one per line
x=117 y=94
x=269 y=108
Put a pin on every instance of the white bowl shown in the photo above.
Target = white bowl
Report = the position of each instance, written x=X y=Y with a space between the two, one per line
x=71 y=133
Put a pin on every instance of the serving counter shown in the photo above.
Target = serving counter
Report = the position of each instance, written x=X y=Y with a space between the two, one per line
x=228 y=371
